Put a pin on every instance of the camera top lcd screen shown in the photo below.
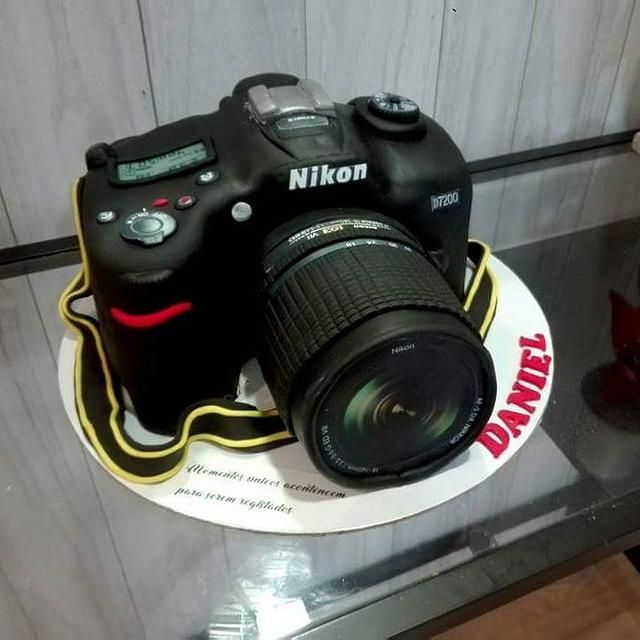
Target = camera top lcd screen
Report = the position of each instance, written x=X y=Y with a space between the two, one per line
x=159 y=165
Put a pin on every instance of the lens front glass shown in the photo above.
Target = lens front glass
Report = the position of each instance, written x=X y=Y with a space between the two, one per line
x=401 y=403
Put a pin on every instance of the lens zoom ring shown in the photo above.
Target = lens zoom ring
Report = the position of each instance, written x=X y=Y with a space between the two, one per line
x=280 y=258
x=325 y=297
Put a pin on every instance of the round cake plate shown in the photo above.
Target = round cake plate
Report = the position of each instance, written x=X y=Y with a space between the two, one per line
x=280 y=491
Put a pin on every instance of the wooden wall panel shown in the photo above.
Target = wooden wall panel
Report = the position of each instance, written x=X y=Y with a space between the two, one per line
x=624 y=109
x=614 y=190
x=542 y=202
x=7 y=238
x=72 y=73
x=364 y=46
x=571 y=69
x=47 y=287
x=484 y=52
x=487 y=198
x=556 y=197
x=500 y=76
x=199 y=49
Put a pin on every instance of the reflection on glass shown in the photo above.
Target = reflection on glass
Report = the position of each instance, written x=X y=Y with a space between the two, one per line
x=612 y=391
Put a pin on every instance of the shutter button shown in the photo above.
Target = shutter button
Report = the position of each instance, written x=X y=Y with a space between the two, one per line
x=186 y=201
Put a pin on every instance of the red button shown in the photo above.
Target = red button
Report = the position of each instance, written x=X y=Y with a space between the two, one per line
x=185 y=201
x=160 y=202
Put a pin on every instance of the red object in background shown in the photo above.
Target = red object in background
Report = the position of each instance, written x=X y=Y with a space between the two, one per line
x=150 y=320
x=625 y=323
x=621 y=380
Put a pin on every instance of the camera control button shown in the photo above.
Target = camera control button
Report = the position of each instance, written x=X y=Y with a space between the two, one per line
x=147 y=225
x=148 y=228
x=241 y=211
x=208 y=177
x=395 y=108
x=185 y=202
x=104 y=217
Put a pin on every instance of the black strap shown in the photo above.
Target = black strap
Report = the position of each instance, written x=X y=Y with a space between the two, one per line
x=228 y=424
x=481 y=298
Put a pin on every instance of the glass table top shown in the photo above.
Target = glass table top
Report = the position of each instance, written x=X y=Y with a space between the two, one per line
x=571 y=491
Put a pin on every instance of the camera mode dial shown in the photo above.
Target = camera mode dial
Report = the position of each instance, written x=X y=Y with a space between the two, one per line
x=148 y=228
x=393 y=107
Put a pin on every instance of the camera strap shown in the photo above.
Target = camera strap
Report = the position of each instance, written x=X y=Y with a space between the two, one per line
x=238 y=426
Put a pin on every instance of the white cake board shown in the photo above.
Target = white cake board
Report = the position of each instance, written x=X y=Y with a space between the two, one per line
x=280 y=490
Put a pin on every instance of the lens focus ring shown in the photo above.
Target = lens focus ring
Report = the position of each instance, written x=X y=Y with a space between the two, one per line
x=324 y=297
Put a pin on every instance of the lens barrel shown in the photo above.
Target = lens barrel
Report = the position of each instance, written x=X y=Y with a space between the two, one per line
x=368 y=353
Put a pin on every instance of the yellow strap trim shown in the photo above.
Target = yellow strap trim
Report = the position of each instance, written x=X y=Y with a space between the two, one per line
x=493 y=303
x=481 y=269
x=185 y=439
x=477 y=277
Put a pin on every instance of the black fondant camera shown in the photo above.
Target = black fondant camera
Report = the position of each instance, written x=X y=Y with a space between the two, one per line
x=329 y=240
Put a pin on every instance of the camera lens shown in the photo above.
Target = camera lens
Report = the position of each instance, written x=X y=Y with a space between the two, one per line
x=371 y=359
x=408 y=406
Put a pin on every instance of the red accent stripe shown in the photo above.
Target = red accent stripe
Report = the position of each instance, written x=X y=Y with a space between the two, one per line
x=148 y=320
